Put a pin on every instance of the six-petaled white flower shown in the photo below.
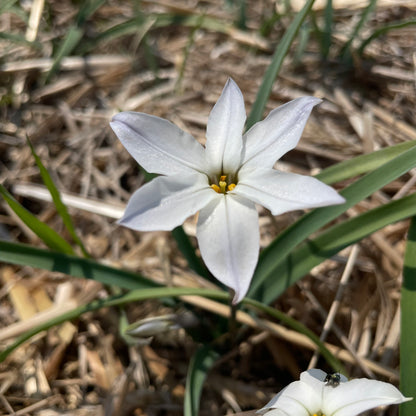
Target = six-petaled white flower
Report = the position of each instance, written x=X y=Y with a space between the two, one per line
x=223 y=181
x=313 y=396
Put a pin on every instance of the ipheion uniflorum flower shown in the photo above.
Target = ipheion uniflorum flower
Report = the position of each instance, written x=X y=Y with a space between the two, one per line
x=315 y=395
x=223 y=180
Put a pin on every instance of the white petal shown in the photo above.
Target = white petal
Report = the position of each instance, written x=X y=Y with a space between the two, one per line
x=158 y=145
x=281 y=191
x=279 y=132
x=314 y=377
x=357 y=396
x=166 y=202
x=297 y=399
x=228 y=237
x=225 y=130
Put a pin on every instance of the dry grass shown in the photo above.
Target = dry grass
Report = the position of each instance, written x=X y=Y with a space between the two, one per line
x=84 y=367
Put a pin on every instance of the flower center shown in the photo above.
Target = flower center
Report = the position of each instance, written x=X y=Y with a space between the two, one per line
x=223 y=187
x=318 y=414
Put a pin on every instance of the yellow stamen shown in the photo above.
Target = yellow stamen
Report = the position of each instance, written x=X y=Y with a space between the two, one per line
x=216 y=188
x=223 y=185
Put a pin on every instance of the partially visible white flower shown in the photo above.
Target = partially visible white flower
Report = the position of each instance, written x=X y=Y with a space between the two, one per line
x=223 y=181
x=313 y=396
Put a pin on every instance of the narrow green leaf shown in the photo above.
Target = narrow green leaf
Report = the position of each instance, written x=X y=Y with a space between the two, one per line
x=363 y=163
x=279 y=249
x=313 y=252
x=56 y=197
x=327 y=33
x=345 y=51
x=141 y=25
x=26 y=255
x=164 y=292
x=87 y=9
x=185 y=246
x=299 y=327
x=201 y=362
x=19 y=39
x=6 y=5
x=71 y=40
x=408 y=319
x=274 y=67
x=50 y=237
x=133 y=296
x=303 y=40
x=382 y=30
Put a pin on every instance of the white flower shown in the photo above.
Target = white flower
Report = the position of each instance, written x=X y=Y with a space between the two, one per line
x=312 y=395
x=223 y=181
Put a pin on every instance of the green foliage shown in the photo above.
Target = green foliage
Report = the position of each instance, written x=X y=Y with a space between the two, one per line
x=346 y=49
x=202 y=361
x=363 y=163
x=26 y=255
x=274 y=68
x=285 y=272
x=185 y=246
x=74 y=34
x=408 y=319
x=327 y=33
x=383 y=30
x=56 y=198
x=282 y=246
x=50 y=237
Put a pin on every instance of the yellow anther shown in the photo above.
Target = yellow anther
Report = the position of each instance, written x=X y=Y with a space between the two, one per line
x=216 y=188
x=223 y=187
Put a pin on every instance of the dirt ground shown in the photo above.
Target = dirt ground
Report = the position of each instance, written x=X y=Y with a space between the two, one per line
x=175 y=68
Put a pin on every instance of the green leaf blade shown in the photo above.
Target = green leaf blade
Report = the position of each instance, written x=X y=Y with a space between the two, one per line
x=50 y=237
x=274 y=68
x=201 y=362
x=313 y=252
x=26 y=255
x=408 y=319
x=281 y=247
x=56 y=198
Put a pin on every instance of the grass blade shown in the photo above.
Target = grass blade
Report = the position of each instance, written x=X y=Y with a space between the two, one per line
x=50 y=237
x=363 y=163
x=408 y=319
x=327 y=33
x=273 y=69
x=164 y=292
x=6 y=5
x=26 y=255
x=56 y=197
x=299 y=327
x=19 y=39
x=71 y=40
x=185 y=246
x=313 y=252
x=382 y=31
x=201 y=362
x=346 y=49
x=280 y=248
x=133 y=296
x=75 y=34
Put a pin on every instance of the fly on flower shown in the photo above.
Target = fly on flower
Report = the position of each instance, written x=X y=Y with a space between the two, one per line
x=313 y=396
x=223 y=180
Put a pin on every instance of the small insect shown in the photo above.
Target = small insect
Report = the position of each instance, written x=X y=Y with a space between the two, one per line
x=332 y=379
